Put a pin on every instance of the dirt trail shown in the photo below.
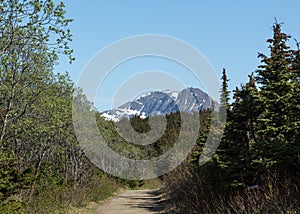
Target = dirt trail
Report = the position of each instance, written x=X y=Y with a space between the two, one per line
x=133 y=202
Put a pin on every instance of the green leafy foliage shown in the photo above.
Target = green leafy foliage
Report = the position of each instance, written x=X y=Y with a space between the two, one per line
x=39 y=152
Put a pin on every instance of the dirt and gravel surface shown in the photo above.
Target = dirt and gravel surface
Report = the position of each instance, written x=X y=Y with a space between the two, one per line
x=133 y=202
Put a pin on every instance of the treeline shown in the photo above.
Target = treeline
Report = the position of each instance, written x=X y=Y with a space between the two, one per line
x=256 y=168
x=42 y=167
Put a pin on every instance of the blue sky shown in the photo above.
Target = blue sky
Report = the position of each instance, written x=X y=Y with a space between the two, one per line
x=228 y=33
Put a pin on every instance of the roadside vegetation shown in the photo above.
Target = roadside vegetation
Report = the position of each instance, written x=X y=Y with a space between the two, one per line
x=43 y=169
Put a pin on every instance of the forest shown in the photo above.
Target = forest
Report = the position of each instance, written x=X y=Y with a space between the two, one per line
x=43 y=169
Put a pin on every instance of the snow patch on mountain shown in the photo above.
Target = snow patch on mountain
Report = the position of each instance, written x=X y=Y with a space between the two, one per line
x=162 y=103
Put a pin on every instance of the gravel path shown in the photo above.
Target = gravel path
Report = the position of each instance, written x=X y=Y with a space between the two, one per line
x=133 y=202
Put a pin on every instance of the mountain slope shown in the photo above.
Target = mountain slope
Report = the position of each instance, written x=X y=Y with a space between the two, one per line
x=162 y=103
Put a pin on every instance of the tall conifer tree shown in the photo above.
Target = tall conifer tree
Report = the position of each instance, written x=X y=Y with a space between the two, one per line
x=275 y=125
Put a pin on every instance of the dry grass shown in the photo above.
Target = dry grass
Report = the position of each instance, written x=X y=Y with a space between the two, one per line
x=187 y=193
x=61 y=199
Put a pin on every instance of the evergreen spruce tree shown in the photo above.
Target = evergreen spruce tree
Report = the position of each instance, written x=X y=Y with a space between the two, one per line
x=223 y=159
x=295 y=109
x=224 y=99
x=241 y=131
x=295 y=76
x=276 y=125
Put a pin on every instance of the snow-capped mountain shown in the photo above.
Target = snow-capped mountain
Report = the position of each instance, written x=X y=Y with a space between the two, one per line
x=162 y=103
